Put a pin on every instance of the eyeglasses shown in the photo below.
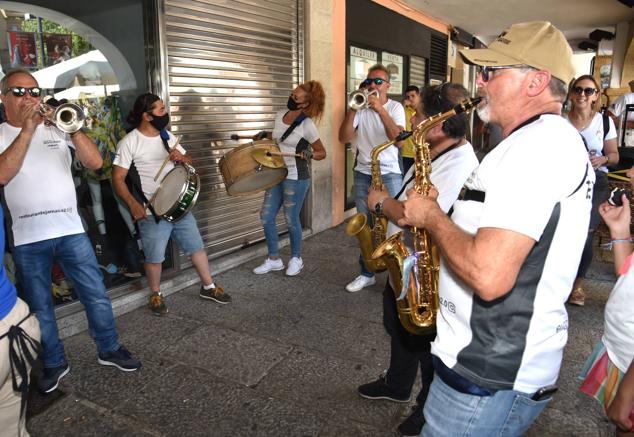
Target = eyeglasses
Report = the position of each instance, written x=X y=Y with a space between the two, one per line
x=486 y=70
x=376 y=80
x=20 y=91
x=587 y=91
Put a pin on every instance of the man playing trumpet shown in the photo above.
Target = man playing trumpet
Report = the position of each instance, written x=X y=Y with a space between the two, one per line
x=41 y=208
x=381 y=121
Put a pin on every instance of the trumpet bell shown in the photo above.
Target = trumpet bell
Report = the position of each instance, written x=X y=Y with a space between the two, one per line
x=69 y=118
x=359 y=99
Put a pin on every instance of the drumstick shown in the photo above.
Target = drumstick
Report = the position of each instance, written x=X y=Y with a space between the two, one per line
x=241 y=137
x=269 y=153
x=167 y=158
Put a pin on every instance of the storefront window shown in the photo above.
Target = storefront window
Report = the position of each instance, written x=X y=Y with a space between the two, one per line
x=69 y=68
x=394 y=65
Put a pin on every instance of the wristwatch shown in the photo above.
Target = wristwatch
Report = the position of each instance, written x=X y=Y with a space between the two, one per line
x=378 y=208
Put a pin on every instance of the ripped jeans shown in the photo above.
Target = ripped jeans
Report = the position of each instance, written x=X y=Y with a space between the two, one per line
x=291 y=194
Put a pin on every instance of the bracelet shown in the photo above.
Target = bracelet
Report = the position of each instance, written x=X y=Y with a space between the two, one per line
x=617 y=241
x=607 y=159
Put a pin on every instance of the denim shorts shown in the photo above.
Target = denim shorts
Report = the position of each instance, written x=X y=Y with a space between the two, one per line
x=156 y=235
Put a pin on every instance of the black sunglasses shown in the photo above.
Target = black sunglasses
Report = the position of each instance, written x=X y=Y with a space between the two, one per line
x=587 y=91
x=20 y=91
x=486 y=71
x=376 y=80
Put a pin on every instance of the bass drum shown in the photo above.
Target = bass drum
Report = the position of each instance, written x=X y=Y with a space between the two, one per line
x=243 y=175
x=177 y=193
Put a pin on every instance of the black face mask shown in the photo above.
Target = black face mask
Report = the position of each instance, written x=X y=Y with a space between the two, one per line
x=292 y=105
x=158 y=122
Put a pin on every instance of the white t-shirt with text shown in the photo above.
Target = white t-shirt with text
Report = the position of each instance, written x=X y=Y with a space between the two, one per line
x=41 y=198
x=516 y=341
x=370 y=132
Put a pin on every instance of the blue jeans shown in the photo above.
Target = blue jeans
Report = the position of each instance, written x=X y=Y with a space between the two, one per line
x=74 y=253
x=155 y=236
x=362 y=182
x=449 y=413
x=291 y=194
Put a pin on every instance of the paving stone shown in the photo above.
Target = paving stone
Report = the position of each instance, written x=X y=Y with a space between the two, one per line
x=330 y=334
x=193 y=402
x=109 y=386
x=234 y=355
x=329 y=385
x=70 y=417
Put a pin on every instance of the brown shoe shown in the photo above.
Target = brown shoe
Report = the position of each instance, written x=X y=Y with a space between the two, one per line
x=216 y=294
x=577 y=297
x=157 y=304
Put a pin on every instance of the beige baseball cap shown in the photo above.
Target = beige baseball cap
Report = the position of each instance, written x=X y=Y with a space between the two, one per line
x=537 y=44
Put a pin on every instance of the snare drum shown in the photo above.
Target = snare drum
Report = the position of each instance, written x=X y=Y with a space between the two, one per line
x=244 y=175
x=177 y=193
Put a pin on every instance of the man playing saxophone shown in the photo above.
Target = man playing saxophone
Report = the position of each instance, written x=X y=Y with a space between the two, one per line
x=511 y=248
x=452 y=161
x=383 y=120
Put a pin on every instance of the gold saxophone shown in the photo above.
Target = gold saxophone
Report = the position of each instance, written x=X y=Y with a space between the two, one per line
x=415 y=275
x=369 y=239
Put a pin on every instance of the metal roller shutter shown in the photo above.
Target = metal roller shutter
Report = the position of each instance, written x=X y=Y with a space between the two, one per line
x=230 y=65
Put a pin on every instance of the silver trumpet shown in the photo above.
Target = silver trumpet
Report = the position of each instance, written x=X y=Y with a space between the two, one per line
x=67 y=117
x=359 y=99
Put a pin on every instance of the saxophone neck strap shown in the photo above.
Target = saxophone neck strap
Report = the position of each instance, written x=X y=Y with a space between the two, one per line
x=411 y=178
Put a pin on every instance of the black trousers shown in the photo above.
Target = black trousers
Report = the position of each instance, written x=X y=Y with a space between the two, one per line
x=408 y=352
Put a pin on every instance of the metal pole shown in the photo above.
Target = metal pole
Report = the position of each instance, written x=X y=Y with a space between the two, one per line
x=41 y=35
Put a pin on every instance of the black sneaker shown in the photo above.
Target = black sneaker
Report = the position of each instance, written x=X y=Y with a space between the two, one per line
x=216 y=294
x=412 y=426
x=49 y=380
x=380 y=390
x=122 y=359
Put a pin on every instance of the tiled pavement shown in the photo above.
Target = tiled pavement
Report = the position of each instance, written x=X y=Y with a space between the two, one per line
x=284 y=358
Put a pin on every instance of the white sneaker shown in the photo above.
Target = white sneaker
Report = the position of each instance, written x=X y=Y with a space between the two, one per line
x=268 y=265
x=359 y=283
x=295 y=266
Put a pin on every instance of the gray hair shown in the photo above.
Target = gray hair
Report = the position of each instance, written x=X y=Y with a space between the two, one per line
x=5 y=79
x=558 y=89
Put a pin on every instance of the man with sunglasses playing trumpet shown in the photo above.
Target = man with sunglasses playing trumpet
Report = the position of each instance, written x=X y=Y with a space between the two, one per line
x=40 y=203
x=366 y=128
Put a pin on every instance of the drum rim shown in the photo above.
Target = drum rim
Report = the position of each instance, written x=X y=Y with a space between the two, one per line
x=167 y=215
x=262 y=188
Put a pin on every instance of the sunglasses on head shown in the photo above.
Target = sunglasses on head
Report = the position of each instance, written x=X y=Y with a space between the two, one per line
x=486 y=70
x=587 y=91
x=20 y=91
x=376 y=80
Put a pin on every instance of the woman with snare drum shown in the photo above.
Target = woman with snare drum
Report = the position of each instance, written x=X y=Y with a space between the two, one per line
x=147 y=147
x=599 y=134
x=295 y=133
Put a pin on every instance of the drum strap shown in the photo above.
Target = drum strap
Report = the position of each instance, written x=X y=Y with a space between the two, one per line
x=133 y=181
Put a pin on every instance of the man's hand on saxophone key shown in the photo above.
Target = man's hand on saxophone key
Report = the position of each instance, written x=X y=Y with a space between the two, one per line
x=418 y=208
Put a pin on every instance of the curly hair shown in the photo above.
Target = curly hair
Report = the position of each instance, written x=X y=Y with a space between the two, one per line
x=316 y=98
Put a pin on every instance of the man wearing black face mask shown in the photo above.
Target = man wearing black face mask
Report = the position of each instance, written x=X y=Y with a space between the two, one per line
x=145 y=146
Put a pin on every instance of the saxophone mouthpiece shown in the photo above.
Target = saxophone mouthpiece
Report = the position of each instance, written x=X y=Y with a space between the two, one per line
x=403 y=135
x=467 y=105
